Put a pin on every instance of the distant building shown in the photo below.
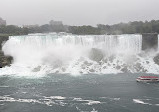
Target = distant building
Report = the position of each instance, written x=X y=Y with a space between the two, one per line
x=52 y=22
x=2 y=22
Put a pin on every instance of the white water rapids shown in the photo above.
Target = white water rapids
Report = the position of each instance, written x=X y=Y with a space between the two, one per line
x=37 y=54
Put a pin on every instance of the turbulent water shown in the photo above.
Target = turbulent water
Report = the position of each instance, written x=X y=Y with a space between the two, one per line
x=87 y=93
x=39 y=54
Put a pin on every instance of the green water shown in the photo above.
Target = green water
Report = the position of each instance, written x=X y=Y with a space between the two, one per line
x=86 y=93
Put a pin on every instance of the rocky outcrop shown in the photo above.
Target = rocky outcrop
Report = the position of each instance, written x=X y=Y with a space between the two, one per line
x=156 y=59
x=149 y=41
x=3 y=39
x=96 y=54
x=4 y=60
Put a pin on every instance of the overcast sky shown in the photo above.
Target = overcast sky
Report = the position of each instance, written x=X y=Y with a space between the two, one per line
x=78 y=12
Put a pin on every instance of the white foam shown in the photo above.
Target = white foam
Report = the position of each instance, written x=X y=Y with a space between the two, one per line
x=157 y=104
x=10 y=99
x=94 y=110
x=51 y=100
x=141 y=102
x=116 y=99
x=88 y=102
x=93 y=102
x=56 y=97
x=36 y=55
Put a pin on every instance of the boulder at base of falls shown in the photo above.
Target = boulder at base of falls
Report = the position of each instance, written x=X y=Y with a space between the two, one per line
x=37 y=69
x=125 y=70
x=5 y=60
x=156 y=59
x=96 y=54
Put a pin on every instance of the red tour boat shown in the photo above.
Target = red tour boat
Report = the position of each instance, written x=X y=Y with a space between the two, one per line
x=147 y=79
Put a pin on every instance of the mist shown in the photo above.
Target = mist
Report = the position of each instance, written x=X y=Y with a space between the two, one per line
x=77 y=12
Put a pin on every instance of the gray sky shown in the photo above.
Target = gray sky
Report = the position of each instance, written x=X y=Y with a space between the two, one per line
x=78 y=12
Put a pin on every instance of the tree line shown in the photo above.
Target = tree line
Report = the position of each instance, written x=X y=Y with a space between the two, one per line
x=121 y=28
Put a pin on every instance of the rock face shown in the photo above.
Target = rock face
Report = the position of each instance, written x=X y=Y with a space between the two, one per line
x=3 y=39
x=149 y=41
x=4 y=60
x=156 y=59
x=96 y=55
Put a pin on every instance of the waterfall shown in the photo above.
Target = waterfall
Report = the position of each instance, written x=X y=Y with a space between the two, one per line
x=67 y=53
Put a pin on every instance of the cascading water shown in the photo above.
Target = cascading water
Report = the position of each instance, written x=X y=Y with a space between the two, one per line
x=74 y=54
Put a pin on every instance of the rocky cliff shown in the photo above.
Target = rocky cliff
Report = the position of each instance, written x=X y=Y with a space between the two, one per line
x=4 y=60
